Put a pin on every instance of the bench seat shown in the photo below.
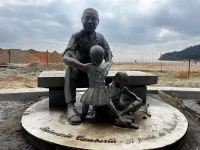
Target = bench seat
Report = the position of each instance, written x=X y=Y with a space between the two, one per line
x=54 y=80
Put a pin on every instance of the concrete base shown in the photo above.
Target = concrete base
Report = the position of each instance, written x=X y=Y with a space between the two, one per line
x=49 y=127
x=180 y=92
x=23 y=94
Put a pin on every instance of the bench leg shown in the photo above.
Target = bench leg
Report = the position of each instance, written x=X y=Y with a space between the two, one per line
x=56 y=97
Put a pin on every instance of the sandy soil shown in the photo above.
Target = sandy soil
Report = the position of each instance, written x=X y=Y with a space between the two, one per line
x=168 y=81
x=22 y=77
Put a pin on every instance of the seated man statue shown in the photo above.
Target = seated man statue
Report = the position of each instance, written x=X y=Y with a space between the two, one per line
x=78 y=50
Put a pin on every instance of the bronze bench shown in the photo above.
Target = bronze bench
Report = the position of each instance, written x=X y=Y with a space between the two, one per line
x=54 y=80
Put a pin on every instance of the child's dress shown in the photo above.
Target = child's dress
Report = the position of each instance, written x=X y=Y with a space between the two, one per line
x=97 y=93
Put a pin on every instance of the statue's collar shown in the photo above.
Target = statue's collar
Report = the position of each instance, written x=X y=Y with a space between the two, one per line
x=88 y=34
x=114 y=86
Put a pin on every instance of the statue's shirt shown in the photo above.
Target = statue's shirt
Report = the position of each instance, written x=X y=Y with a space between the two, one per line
x=97 y=93
x=114 y=94
x=80 y=43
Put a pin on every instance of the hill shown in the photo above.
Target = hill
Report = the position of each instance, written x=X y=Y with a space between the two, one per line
x=192 y=52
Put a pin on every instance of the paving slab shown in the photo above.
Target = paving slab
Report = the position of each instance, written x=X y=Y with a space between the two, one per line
x=23 y=94
x=188 y=105
x=181 y=92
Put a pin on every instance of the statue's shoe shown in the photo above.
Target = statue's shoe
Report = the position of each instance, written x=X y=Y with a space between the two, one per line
x=145 y=110
x=73 y=117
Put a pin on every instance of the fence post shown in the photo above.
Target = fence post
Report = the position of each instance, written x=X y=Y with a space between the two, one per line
x=47 y=58
x=161 y=68
x=9 y=56
x=189 y=69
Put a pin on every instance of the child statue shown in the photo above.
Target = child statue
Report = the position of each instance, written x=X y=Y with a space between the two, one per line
x=97 y=93
x=115 y=91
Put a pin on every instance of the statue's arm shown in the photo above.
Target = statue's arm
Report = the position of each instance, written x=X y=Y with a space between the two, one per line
x=71 y=47
x=108 y=64
x=106 y=47
x=69 y=57
x=113 y=109
x=71 y=62
x=119 y=118
x=126 y=91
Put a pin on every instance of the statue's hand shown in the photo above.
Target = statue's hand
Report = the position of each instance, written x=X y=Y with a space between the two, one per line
x=88 y=64
x=69 y=54
x=139 y=99
x=121 y=121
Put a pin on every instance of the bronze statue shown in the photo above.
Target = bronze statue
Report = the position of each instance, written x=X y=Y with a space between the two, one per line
x=97 y=94
x=124 y=106
x=77 y=50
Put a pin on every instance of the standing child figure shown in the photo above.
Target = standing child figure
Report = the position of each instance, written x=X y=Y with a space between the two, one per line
x=97 y=93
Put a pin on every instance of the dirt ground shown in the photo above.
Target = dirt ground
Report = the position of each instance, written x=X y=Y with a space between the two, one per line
x=22 y=77
x=14 y=77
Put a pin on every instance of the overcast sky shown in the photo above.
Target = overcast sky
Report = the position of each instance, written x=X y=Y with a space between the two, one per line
x=128 y=25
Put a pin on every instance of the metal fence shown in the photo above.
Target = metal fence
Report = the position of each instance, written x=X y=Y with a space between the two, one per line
x=131 y=61
x=149 y=62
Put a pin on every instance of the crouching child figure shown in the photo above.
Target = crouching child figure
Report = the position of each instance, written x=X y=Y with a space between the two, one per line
x=124 y=107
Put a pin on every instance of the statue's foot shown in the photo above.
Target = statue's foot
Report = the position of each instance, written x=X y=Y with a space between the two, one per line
x=145 y=110
x=134 y=126
x=128 y=124
x=72 y=116
x=129 y=117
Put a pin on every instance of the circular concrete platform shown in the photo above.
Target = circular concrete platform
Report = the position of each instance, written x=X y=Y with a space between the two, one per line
x=166 y=126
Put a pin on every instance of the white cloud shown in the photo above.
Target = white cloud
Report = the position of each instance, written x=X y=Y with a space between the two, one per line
x=149 y=6
x=163 y=33
x=47 y=22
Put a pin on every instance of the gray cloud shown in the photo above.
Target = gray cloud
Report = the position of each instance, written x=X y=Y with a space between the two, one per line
x=148 y=25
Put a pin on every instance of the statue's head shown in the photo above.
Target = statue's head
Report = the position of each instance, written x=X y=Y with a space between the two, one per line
x=90 y=19
x=96 y=55
x=120 y=79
